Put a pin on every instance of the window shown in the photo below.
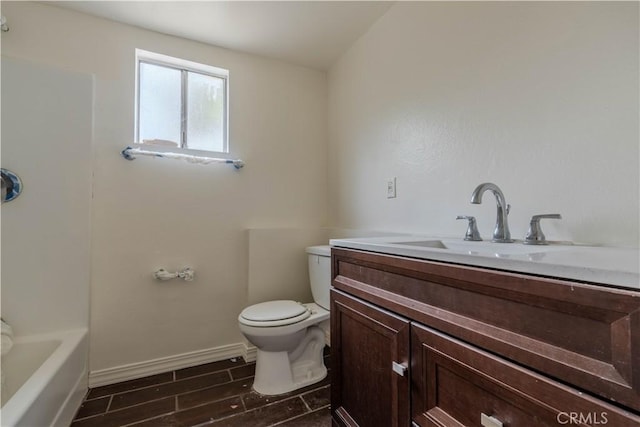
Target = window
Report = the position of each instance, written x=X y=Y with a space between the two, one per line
x=181 y=102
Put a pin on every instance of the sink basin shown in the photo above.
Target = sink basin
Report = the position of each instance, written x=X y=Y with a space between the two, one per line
x=425 y=244
x=609 y=265
x=480 y=248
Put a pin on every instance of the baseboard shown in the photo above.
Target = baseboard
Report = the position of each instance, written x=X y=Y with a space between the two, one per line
x=250 y=353
x=170 y=363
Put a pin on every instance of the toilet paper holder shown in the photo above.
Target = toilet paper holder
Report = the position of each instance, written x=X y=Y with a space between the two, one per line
x=186 y=274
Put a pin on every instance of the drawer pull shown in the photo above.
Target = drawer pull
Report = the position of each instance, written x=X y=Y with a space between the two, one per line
x=488 y=421
x=399 y=368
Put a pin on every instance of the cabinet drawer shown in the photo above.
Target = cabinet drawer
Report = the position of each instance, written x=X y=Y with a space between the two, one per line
x=454 y=384
x=582 y=334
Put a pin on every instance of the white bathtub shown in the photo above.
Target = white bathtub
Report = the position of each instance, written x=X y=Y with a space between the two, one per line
x=45 y=379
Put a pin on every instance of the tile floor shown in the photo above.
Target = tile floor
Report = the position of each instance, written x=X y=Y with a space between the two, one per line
x=215 y=394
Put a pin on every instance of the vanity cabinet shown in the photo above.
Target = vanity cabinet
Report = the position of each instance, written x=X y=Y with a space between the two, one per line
x=417 y=342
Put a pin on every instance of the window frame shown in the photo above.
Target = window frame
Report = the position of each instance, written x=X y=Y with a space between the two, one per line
x=185 y=67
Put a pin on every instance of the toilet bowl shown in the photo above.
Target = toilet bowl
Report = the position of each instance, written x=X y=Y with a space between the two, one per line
x=287 y=335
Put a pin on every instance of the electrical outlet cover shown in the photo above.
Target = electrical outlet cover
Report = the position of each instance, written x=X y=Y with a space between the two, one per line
x=391 y=188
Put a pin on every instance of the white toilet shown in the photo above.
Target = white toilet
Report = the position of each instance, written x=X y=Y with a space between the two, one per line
x=286 y=333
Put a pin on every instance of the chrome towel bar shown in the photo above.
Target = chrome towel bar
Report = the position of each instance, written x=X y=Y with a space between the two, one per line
x=130 y=153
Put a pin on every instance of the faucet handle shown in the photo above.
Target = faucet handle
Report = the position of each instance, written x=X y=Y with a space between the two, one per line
x=472 y=233
x=535 y=236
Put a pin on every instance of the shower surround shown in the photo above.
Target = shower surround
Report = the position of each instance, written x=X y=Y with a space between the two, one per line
x=47 y=118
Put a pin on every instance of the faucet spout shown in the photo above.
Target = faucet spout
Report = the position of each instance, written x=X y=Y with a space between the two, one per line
x=501 y=233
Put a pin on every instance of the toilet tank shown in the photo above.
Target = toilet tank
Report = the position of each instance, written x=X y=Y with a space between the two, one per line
x=320 y=273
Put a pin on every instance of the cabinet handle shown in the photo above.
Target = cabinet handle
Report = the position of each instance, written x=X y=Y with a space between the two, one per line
x=488 y=421
x=399 y=368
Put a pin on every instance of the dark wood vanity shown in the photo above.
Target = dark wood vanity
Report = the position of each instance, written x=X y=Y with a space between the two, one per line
x=425 y=343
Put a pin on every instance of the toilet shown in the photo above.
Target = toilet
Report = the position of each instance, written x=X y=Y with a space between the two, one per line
x=287 y=334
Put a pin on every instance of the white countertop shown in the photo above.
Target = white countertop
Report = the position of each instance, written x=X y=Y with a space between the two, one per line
x=612 y=266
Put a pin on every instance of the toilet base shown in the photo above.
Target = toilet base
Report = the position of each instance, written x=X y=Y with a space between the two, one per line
x=279 y=372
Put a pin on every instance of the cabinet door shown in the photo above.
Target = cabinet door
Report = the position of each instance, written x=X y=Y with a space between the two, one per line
x=456 y=384
x=369 y=360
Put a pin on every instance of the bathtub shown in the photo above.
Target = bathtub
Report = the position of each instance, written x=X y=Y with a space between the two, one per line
x=44 y=379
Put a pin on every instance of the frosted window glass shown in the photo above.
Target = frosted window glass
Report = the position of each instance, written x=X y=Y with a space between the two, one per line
x=205 y=112
x=160 y=100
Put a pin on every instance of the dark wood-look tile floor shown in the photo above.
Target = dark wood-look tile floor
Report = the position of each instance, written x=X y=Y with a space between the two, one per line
x=215 y=394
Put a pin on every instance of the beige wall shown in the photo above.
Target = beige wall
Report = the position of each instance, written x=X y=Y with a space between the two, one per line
x=540 y=98
x=278 y=265
x=153 y=213
x=46 y=231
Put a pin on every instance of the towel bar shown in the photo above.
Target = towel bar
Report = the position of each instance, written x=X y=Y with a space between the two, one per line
x=130 y=153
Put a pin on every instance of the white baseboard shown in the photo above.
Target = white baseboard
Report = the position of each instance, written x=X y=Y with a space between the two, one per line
x=250 y=353
x=170 y=363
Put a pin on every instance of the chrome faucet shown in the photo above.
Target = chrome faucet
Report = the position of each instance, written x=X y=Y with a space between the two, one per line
x=501 y=233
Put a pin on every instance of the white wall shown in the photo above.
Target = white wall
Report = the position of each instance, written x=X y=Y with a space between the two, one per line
x=46 y=141
x=540 y=98
x=153 y=213
x=278 y=265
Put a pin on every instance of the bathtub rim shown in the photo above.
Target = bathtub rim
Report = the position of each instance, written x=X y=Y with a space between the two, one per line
x=28 y=393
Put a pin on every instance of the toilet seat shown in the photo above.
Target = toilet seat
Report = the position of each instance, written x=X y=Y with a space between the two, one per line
x=274 y=313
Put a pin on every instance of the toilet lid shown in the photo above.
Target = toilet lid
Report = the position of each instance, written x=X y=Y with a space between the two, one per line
x=275 y=313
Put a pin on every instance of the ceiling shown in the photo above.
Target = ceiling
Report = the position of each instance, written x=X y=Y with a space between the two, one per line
x=308 y=33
